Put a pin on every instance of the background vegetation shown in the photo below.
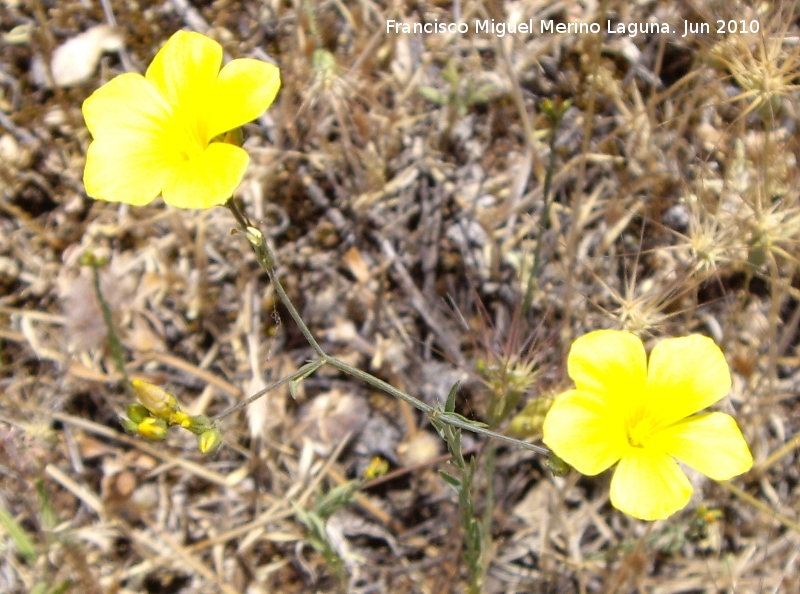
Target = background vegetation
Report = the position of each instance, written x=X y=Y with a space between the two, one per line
x=401 y=178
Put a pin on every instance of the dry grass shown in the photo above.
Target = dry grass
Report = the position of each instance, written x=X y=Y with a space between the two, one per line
x=401 y=177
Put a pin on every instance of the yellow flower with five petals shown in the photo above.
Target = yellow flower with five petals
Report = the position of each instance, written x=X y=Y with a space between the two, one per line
x=162 y=133
x=642 y=415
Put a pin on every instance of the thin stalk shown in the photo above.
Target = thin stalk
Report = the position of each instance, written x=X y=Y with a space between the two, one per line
x=266 y=260
x=576 y=226
x=114 y=343
x=276 y=284
x=240 y=217
x=304 y=371
x=544 y=217
x=428 y=409
x=486 y=520
x=312 y=23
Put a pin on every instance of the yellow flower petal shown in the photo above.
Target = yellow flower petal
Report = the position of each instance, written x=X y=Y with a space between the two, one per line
x=185 y=71
x=610 y=362
x=585 y=431
x=685 y=376
x=649 y=485
x=710 y=443
x=124 y=173
x=187 y=64
x=129 y=160
x=243 y=92
x=125 y=104
x=208 y=179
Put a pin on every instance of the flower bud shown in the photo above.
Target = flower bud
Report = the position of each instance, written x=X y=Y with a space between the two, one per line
x=557 y=466
x=528 y=422
x=157 y=400
x=153 y=429
x=377 y=467
x=137 y=412
x=209 y=441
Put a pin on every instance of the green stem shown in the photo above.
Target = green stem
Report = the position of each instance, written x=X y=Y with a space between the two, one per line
x=276 y=284
x=488 y=510
x=240 y=217
x=266 y=260
x=312 y=23
x=304 y=371
x=114 y=343
x=544 y=217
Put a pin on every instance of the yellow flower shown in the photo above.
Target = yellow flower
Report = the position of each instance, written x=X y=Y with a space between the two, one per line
x=643 y=416
x=161 y=133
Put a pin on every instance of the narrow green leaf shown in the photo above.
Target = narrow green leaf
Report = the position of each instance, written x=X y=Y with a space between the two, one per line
x=311 y=366
x=25 y=546
x=438 y=425
x=433 y=95
x=60 y=588
x=450 y=480
x=471 y=469
x=450 y=404
x=474 y=532
x=457 y=417
x=49 y=518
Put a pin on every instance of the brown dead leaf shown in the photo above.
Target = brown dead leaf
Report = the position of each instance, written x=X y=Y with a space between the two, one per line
x=331 y=417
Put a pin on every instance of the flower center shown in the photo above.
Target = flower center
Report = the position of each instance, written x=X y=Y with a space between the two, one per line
x=190 y=150
x=638 y=433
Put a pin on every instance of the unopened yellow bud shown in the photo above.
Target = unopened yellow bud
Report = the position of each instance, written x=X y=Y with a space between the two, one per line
x=523 y=426
x=209 y=441
x=136 y=412
x=377 y=467
x=87 y=258
x=157 y=400
x=180 y=418
x=529 y=421
x=557 y=466
x=153 y=429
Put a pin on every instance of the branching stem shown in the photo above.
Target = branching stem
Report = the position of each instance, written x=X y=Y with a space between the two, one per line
x=266 y=260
